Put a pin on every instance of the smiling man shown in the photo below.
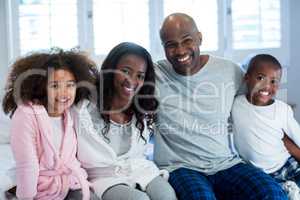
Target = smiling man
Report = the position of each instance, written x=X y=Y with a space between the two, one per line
x=196 y=93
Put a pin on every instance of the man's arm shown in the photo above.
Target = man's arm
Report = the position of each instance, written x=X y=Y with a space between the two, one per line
x=292 y=148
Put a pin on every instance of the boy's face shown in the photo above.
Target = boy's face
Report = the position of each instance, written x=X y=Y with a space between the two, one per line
x=263 y=83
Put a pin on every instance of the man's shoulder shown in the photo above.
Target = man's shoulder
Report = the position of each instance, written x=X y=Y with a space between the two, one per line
x=163 y=70
x=163 y=63
x=163 y=66
x=221 y=61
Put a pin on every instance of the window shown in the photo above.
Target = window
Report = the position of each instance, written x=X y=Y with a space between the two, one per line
x=116 y=21
x=230 y=28
x=42 y=24
x=207 y=25
x=256 y=24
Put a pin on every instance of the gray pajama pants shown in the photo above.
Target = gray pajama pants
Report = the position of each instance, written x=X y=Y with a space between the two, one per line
x=157 y=189
x=77 y=195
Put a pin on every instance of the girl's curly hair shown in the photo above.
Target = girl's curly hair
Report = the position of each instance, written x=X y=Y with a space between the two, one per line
x=143 y=108
x=27 y=80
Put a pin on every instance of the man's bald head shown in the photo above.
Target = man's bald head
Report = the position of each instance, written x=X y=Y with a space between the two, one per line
x=177 y=21
x=181 y=41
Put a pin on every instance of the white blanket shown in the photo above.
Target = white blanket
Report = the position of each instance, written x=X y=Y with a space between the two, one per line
x=292 y=190
x=4 y=128
x=7 y=169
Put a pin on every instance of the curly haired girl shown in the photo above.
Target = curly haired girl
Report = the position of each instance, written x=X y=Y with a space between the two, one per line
x=41 y=89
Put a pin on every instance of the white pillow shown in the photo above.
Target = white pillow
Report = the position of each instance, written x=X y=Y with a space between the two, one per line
x=5 y=128
x=7 y=168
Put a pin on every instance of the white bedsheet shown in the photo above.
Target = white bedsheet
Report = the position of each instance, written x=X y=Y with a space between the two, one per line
x=4 y=128
x=7 y=169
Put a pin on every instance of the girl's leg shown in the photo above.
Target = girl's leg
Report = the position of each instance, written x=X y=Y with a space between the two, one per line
x=124 y=192
x=159 y=189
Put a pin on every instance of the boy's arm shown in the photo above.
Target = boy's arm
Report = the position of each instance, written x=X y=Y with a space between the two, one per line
x=292 y=148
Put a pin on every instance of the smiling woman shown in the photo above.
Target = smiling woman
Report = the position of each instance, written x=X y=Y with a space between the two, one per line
x=129 y=78
x=113 y=135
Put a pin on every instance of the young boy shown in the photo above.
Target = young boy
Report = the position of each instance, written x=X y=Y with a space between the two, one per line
x=261 y=122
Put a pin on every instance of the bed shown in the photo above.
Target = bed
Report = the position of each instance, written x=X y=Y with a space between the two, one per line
x=7 y=163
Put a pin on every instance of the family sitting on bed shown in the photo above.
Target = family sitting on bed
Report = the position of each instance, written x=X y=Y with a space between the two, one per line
x=80 y=133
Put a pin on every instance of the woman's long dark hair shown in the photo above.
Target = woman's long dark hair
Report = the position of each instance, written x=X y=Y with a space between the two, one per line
x=143 y=108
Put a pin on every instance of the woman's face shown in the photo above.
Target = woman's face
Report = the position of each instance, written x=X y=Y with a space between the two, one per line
x=129 y=77
x=61 y=91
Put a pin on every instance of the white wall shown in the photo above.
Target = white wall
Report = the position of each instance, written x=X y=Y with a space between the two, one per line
x=293 y=72
x=3 y=47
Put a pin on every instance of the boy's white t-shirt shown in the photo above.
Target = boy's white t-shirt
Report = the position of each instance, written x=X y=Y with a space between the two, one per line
x=258 y=132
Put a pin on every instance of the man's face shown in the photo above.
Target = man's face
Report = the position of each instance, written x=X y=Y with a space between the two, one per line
x=181 y=44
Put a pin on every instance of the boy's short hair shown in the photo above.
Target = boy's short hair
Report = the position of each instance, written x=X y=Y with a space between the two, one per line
x=262 y=58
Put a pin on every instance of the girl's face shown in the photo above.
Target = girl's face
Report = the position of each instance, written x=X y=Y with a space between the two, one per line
x=61 y=91
x=129 y=76
x=263 y=83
